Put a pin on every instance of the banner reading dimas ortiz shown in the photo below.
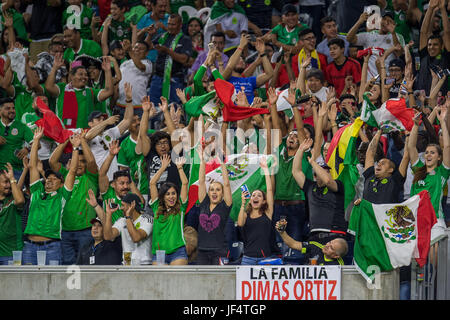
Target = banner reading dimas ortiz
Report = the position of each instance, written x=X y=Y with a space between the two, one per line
x=288 y=283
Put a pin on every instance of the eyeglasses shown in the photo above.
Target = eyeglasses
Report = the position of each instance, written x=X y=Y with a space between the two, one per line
x=162 y=143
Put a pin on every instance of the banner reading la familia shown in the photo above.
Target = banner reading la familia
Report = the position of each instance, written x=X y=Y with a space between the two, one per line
x=288 y=283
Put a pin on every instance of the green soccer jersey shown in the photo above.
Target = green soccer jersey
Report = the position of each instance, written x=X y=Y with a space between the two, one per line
x=119 y=30
x=10 y=227
x=434 y=183
x=23 y=99
x=46 y=210
x=17 y=136
x=128 y=157
x=286 y=188
x=86 y=99
x=87 y=47
x=80 y=17
x=288 y=37
x=168 y=230
x=78 y=213
x=111 y=194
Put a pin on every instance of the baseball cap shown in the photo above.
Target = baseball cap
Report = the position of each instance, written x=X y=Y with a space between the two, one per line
x=287 y=8
x=389 y=14
x=56 y=173
x=397 y=63
x=97 y=219
x=130 y=197
x=115 y=44
x=96 y=114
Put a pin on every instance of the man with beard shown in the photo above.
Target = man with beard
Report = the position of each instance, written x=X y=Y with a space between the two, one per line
x=77 y=46
x=236 y=66
x=47 y=204
x=77 y=214
x=13 y=136
x=11 y=201
x=289 y=198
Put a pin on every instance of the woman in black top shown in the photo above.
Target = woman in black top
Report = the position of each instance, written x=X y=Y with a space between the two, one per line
x=255 y=222
x=215 y=207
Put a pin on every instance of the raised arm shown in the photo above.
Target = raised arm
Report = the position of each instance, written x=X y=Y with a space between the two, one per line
x=53 y=162
x=110 y=233
x=290 y=242
x=412 y=149
x=352 y=34
x=403 y=167
x=34 y=171
x=324 y=175
x=17 y=194
x=267 y=66
x=149 y=111
x=301 y=81
x=91 y=164
x=297 y=172
x=129 y=110
x=75 y=140
x=426 y=28
x=165 y=161
x=103 y=180
x=269 y=187
x=202 y=192
x=372 y=150
x=50 y=83
x=184 y=180
x=242 y=217
x=108 y=91
x=234 y=59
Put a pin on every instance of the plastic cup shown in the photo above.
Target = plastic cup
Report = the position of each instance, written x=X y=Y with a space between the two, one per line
x=53 y=262
x=135 y=262
x=160 y=257
x=17 y=258
x=41 y=255
x=313 y=261
x=127 y=258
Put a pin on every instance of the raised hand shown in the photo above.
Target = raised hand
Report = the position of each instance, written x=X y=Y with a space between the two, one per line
x=163 y=105
x=9 y=172
x=165 y=161
x=128 y=91
x=38 y=133
x=114 y=147
x=179 y=162
x=272 y=96
x=306 y=144
x=91 y=200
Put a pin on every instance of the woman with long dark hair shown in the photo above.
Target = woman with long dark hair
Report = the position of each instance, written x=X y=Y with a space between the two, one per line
x=169 y=207
x=255 y=221
x=432 y=175
x=215 y=207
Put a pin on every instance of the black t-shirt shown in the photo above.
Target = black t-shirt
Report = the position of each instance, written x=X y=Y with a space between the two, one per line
x=311 y=250
x=45 y=20
x=326 y=208
x=259 y=12
x=385 y=190
x=258 y=235
x=105 y=253
x=424 y=78
x=170 y=175
x=184 y=46
x=211 y=226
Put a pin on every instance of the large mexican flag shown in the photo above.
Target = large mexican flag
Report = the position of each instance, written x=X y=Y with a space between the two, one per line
x=388 y=236
x=242 y=169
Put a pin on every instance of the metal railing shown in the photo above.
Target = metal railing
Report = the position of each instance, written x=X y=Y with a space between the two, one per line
x=431 y=282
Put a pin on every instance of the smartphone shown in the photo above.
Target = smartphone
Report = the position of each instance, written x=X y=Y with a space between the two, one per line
x=389 y=80
x=113 y=205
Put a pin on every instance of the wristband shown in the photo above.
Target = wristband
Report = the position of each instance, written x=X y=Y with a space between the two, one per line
x=128 y=217
x=128 y=101
x=262 y=55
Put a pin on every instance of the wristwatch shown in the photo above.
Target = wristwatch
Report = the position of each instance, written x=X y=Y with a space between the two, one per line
x=127 y=217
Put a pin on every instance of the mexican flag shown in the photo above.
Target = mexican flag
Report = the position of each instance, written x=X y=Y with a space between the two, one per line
x=242 y=169
x=204 y=104
x=388 y=236
x=342 y=159
x=231 y=112
x=393 y=115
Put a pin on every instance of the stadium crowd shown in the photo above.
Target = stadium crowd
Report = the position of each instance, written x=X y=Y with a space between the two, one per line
x=123 y=123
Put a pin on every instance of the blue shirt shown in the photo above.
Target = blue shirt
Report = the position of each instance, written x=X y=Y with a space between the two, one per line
x=249 y=85
x=145 y=22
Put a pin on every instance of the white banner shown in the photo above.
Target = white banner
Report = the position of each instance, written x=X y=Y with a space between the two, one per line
x=288 y=283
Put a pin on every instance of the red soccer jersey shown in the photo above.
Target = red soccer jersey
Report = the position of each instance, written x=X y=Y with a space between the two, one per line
x=336 y=75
